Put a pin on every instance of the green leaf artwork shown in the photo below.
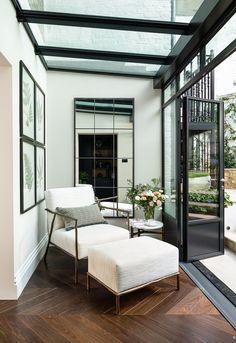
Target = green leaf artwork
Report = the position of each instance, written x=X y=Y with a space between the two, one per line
x=39 y=111
x=40 y=172
x=28 y=111
x=28 y=172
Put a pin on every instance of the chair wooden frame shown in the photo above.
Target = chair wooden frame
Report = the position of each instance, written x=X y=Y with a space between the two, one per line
x=76 y=258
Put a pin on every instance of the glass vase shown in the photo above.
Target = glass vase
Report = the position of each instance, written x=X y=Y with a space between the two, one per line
x=149 y=212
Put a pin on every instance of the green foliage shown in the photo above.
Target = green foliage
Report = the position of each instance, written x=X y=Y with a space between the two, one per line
x=28 y=172
x=210 y=197
x=134 y=191
x=230 y=132
x=28 y=111
x=83 y=176
x=193 y=174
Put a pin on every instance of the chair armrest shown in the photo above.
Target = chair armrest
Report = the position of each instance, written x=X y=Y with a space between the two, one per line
x=115 y=209
x=120 y=210
x=109 y=198
x=60 y=214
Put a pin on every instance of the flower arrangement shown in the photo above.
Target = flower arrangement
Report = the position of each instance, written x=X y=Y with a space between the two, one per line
x=147 y=196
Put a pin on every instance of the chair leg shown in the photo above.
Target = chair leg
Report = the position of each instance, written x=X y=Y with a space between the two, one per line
x=177 y=286
x=49 y=237
x=76 y=271
x=46 y=252
x=117 y=304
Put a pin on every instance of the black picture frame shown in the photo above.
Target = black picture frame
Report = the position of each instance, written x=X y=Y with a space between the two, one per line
x=39 y=115
x=40 y=171
x=27 y=175
x=27 y=103
x=32 y=139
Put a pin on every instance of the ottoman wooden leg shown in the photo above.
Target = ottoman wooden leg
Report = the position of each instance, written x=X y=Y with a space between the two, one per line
x=117 y=304
x=88 y=282
x=177 y=286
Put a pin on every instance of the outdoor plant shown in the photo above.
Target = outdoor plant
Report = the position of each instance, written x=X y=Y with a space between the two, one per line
x=83 y=176
x=206 y=197
x=230 y=131
x=147 y=196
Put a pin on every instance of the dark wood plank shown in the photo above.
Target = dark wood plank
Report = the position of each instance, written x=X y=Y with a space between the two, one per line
x=53 y=309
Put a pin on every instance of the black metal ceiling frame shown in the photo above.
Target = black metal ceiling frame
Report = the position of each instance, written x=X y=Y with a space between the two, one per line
x=101 y=22
x=175 y=60
x=220 y=14
x=102 y=55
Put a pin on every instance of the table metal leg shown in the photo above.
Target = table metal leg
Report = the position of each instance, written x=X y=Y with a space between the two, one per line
x=131 y=232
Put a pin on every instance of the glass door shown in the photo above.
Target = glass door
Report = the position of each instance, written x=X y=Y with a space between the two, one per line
x=202 y=185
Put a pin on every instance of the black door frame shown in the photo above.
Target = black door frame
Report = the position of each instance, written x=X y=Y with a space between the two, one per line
x=184 y=179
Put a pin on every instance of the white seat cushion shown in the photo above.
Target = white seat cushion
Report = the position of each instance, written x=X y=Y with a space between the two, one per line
x=87 y=236
x=130 y=263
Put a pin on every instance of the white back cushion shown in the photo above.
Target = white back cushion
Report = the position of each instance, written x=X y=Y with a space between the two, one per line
x=81 y=195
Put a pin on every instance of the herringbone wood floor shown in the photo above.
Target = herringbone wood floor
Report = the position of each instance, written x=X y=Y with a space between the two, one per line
x=52 y=310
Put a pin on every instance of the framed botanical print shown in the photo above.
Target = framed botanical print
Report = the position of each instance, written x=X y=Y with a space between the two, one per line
x=27 y=175
x=40 y=173
x=27 y=98
x=39 y=115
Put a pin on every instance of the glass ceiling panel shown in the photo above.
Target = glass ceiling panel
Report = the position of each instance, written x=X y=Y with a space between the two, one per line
x=164 y=10
x=102 y=39
x=102 y=66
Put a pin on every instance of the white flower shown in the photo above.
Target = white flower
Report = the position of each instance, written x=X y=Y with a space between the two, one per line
x=137 y=198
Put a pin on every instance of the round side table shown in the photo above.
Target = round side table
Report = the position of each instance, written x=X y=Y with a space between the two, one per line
x=142 y=226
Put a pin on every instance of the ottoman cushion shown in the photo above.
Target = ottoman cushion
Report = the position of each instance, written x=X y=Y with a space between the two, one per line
x=130 y=263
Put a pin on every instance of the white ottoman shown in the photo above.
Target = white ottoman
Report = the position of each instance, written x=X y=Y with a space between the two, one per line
x=127 y=265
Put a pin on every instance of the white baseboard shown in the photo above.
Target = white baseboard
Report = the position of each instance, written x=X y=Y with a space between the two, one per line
x=26 y=270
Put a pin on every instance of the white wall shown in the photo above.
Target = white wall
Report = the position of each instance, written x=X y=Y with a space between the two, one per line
x=63 y=87
x=22 y=236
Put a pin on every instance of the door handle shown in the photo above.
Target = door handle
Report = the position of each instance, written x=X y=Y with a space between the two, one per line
x=222 y=183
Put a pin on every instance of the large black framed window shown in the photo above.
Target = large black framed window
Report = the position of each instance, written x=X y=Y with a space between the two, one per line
x=104 y=136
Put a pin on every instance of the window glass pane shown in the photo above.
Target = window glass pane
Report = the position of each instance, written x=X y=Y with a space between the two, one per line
x=190 y=71
x=221 y=40
x=124 y=171
x=122 y=195
x=170 y=91
x=84 y=116
x=104 y=113
x=105 y=170
x=104 y=146
x=124 y=143
x=84 y=120
x=140 y=9
x=86 y=145
x=170 y=159
x=82 y=132
x=101 y=39
x=102 y=66
x=86 y=171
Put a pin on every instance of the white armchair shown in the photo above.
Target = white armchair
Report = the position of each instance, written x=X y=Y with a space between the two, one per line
x=76 y=242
